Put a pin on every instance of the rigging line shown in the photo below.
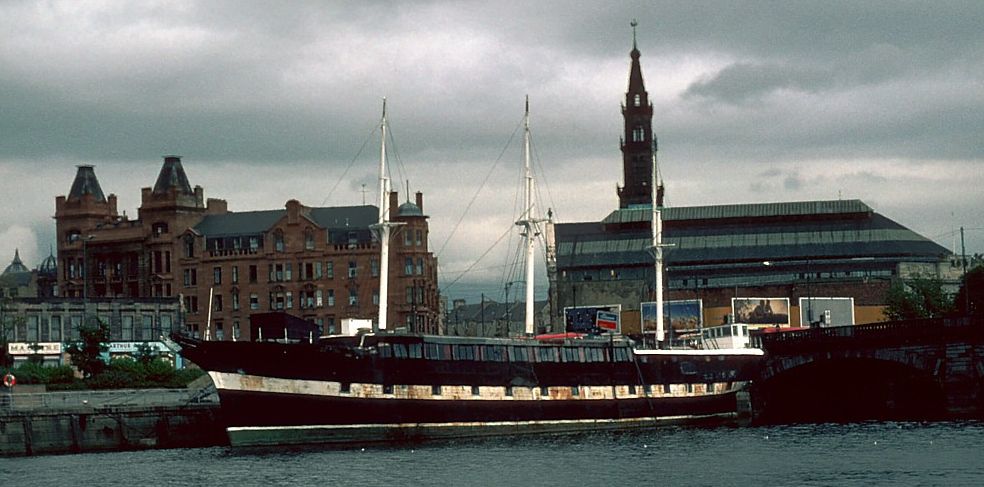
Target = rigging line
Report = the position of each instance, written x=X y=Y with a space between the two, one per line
x=401 y=168
x=477 y=260
x=475 y=196
x=350 y=164
x=490 y=268
x=543 y=174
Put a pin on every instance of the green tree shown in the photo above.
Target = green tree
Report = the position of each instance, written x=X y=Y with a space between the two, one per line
x=970 y=298
x=145 y=353
x=87 y=352
x=6 y=330
x=920 y=297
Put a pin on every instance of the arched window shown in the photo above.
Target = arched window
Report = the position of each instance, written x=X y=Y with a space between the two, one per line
x=637 y=101
x=638 y=134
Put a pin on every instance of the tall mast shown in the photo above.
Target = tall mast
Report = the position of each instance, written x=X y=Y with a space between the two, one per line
x=382 y=228
x=657 y=228
x=528 y=222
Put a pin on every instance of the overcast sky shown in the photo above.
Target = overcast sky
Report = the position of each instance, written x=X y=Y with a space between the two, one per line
x=753 y=102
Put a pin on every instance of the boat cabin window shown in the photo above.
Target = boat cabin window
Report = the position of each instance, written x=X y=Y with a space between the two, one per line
x=416 y=350
x=621 y=354
x=385 y=350
x=548 y=354
x=688 y=368
x=518 y=354
x=464 y=352
x=399 y=350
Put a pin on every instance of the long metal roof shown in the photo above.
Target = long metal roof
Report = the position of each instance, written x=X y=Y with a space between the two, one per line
x=257 y=222
x=736 y=233
x=751 y=210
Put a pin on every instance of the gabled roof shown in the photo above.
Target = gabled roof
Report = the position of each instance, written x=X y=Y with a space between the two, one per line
x=257 y=222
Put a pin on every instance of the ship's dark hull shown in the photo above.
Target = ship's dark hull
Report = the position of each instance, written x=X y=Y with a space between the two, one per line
x=276 y=393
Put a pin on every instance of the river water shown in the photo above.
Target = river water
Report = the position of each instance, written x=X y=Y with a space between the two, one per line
x=884 y=453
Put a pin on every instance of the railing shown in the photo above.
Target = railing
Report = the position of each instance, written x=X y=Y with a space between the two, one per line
x=927 y=331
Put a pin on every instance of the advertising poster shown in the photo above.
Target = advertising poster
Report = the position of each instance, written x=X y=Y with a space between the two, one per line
x=678 y=315
x=761 y=311
x=593 y=319
x=827 y=311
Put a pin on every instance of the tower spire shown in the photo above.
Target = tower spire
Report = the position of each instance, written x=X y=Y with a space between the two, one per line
x=637 y=146
x=634 y=24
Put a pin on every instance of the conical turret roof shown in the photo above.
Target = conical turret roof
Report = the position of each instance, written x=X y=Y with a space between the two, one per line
x=86 y=184
x=172 y=177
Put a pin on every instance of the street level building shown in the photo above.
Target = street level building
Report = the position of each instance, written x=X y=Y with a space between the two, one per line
x=320 y=264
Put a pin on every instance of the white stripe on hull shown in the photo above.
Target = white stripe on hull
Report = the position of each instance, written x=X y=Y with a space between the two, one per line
x=253 y=383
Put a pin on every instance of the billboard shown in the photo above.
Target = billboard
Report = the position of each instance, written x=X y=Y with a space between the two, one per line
x=593 y=319
x=684 y=314
x=761 y=311
x=827 y=311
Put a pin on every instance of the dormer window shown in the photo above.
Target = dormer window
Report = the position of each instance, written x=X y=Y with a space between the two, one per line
x=278 y=241
x=189 y=246
x=308 y=239
x=637 y=100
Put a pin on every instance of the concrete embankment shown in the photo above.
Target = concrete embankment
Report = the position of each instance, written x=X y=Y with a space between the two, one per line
x=74 y=422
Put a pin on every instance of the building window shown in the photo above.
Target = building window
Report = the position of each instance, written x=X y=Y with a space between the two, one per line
x=217 y=275
x=637 y=100
x=407 y=237
x=638 y=134
x=317 y=270
x=420 y=237
x=235 y=330
x=127 y=328
x=254 y=301
x=235 y=300
x=319 y=298
x=309 y=239
x=254 y=243
x=235 y=274
x=159 y=228
x=420 y=266
x=189 y=246
x=408 y=266
x=409 y=294
x=190 y=277
x=374 y=267
x=278 y=240
x=252 y=273
x=167 y=262
x=353 y=297
x=331 y=297
x=353 y=269
x=330 y=269
x=375 y=297
x=217 y=302
x=290 y=300
x=287 y=271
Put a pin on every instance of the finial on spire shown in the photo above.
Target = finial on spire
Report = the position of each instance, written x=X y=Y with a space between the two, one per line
x=527 y=104
x=633 y=24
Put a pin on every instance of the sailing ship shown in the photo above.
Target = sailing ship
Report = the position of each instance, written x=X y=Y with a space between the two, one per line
x=390 y=386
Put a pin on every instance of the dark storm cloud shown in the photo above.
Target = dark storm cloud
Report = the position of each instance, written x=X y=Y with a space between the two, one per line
x=781 y=100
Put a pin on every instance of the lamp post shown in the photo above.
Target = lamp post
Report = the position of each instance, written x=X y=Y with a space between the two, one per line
x=85 y=267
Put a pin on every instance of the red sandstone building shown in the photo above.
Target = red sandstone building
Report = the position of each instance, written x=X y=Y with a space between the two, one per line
x=320 y=264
